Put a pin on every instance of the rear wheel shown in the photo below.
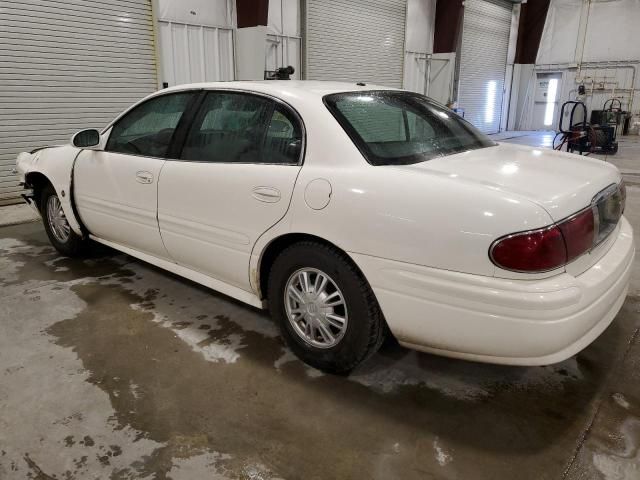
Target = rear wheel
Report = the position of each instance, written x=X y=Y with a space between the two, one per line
x=60 y=234
x=327 y=312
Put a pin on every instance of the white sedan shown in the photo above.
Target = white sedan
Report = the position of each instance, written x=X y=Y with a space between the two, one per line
x=351 y=212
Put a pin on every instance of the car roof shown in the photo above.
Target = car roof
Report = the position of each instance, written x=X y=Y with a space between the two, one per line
x=285 y=88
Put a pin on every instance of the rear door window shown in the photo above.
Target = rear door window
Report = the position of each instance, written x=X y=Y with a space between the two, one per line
x=229 y=128
x=283 y=141
x=236 y=127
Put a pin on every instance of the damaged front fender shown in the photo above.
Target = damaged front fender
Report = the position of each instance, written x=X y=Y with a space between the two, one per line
x=55 y=164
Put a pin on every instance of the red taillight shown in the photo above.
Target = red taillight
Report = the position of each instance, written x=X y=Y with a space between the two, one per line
x=534 y=251
x=579 y=233
x=552 y=247
x=546 y=249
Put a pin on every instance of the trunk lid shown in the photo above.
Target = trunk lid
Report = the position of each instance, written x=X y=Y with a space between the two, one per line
x=559 y=182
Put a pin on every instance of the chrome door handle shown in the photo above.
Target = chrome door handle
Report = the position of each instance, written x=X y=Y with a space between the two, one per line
x=266 y=194
x=144 y=177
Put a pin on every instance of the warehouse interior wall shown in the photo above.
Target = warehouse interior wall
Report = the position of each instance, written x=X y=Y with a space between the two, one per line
x=284 y=36
x=251 y=36
x=202 y=40
x=195 y=40
x=447 y=32
x=206 y=12
x=355 y=41
x=421 y=15
x=586 y=42
x=509 y=91
x=432 y=34
x=531 y=21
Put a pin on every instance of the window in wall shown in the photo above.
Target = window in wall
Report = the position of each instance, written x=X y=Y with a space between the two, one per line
x=551 y=101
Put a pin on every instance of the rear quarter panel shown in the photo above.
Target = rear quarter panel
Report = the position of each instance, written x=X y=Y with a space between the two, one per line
x=423 y=218
x=413 y=218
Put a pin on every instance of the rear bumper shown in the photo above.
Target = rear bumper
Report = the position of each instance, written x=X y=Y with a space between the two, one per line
x=516 y=322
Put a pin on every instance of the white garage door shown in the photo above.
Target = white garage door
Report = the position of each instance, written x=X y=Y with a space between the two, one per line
x=355 y=40
x=67 y=65
x=483 y=61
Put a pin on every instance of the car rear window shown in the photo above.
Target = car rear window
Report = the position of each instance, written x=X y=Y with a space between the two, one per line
x=400 y=128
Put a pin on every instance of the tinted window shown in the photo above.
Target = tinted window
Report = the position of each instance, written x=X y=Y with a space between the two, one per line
x=148 y=128
x=230 y=127
x=283 y=141
x=394 y=128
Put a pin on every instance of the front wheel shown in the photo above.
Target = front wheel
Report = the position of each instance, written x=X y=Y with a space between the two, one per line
x=60 y=234
x=326 y=309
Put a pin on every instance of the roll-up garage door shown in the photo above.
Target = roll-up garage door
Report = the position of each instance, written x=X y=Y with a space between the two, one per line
x=483 y=61
x=355 y=40
x=66 y=65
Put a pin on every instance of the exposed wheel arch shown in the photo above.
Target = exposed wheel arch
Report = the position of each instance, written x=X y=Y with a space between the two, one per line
x=38 y=182
x=278 y=244
x=56 y=226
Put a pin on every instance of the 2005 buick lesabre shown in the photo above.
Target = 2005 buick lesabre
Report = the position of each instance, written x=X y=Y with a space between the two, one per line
x=350 y=212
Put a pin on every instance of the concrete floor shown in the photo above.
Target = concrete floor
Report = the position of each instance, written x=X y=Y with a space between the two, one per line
x=17 y=213
x=113 y=369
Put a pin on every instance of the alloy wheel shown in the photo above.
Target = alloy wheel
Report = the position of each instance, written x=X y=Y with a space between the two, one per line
x=57 y=220
x=315 y=307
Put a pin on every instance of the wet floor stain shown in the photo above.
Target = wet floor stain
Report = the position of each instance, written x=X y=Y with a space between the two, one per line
x=252 y=411
x=210 y=384
x=36 y=472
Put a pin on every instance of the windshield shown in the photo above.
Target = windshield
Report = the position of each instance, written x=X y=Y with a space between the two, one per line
x=400 y=128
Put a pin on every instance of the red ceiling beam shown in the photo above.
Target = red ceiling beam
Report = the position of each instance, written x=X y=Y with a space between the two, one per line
x=447 y=25
x=533 y=15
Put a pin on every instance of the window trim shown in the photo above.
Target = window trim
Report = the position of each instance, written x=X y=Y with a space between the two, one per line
x=354 y=136
x=275 y=101
x=193 y=102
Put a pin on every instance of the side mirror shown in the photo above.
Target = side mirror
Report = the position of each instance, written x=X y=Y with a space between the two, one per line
x=86 y=138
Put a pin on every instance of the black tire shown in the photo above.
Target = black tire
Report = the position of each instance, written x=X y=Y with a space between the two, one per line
x=74 y=245
x=366 y=327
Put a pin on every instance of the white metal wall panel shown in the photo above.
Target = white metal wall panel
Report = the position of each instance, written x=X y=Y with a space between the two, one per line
x=483 y=61
x=195 y=53
x=355 y=40
x=284 y=37
x=66 y=65
x=282 y=51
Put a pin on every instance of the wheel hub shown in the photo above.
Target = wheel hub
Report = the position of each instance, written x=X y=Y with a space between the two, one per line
x=312 y=308
x=315 y=307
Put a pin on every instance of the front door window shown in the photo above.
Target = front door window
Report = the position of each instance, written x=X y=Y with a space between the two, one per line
x=148 y=128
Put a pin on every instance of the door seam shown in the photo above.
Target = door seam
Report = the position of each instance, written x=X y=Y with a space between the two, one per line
x=169 y=256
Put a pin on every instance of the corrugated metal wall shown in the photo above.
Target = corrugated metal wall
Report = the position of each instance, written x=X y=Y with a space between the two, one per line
x=195 y=53
x=66 y=65
x=483 y=61
x=355 y=40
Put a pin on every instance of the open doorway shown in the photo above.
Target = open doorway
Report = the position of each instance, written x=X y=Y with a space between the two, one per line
x=546 y=100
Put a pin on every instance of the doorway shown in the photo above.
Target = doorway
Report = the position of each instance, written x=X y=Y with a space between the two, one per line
x=546 y=100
